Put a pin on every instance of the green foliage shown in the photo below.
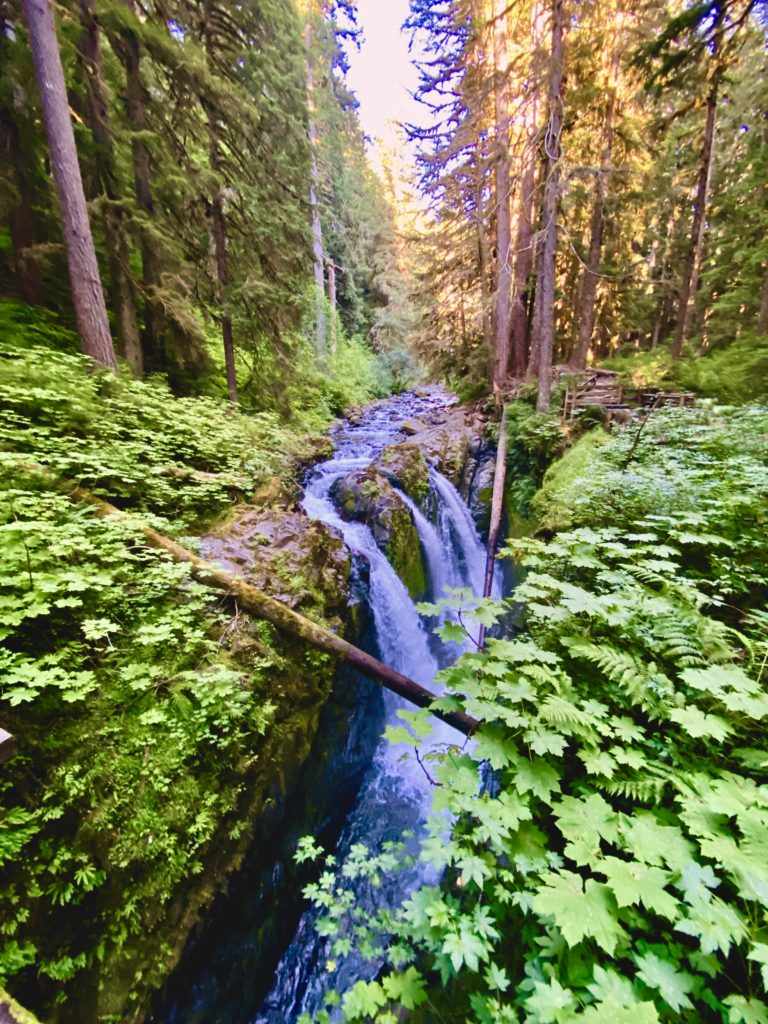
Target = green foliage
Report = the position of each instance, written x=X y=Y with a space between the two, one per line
x=115 y=435
x=139 y=708
x=737 y=372
x=618 y=869
x=534 y=440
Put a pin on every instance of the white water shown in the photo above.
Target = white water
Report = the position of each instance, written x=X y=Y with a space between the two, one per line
x=395 y=795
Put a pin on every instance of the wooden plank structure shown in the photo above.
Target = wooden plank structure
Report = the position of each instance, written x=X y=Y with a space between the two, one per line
x=7 y=745
x=603 y=388
x=594 y=387
x=657 y=398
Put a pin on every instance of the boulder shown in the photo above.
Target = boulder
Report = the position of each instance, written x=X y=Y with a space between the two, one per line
x=368 y=497
x=404 y=464
x=413 y=426
x=297 y=560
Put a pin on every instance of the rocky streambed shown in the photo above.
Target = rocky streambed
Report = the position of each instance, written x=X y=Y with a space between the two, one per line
x=384 y=522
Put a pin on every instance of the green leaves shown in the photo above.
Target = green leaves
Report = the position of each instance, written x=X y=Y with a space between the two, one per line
x=585 y=823
x=673 y=985
x=580 y=911
x=619 y=855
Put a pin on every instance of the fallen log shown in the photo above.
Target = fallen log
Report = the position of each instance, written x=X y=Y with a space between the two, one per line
x=497 y=506
x=261 y=605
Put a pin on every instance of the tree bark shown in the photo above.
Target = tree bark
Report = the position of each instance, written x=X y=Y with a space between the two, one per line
x=497 y=507
x=503 y=177
x=219 y=223
x=545 y=289
x=334 y=325
x=524 y=241
x=130 y=54
x=484 y=262
x=257 y=603
x=114 y=223
x=762 y=317
x=318 y=258
x=222 y=262
x=22 y=227
x=592 y=266
x=693 y=256
x=87 y=292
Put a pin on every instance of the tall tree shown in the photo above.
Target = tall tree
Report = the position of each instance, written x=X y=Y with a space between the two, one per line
x=87 y=292
x=503 y=179
x=124 y=298
x=591 y=270
x=545 y=288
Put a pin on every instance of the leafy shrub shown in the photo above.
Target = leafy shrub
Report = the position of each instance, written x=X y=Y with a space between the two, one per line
x=735 y=373
x=534 y=441
x=138 y=722
x=132 y=441
x=612 y=867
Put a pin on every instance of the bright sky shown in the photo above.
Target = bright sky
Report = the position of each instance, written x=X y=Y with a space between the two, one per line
x=382 y=74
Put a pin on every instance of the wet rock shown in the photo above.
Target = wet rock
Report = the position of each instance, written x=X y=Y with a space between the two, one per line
x=367 y=496
x=480 y=492
x=413 y=426
x=295 y=559
x=404 y=464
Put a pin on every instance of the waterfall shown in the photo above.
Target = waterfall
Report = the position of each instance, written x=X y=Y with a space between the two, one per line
x=396 y=795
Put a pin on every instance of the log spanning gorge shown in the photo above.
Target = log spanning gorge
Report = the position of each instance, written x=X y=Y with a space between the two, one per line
x=259 y=958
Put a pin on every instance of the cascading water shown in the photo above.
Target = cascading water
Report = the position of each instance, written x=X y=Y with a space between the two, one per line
x=395 y=795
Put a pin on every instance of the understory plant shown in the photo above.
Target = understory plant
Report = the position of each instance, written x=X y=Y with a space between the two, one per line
x=612 y=865
x=139 y=705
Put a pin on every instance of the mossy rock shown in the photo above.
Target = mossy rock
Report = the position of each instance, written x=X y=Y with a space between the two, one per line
x=404 y=464
x=368 y=497
x=552 y=506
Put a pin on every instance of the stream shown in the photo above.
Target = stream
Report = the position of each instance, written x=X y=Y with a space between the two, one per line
x=388 y=796
x=396 y=794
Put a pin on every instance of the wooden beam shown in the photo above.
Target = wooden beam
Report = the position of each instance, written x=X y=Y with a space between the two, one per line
x=256 y=602
x=7 y=745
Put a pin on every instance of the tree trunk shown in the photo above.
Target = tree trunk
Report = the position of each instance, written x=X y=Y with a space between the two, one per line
x=545 y=290
x=502 y=305
x=497 y=507
x=219 y=223
x=592 y=265
x=524 y=242
x=318 y=258
x=114 y=224
x=87 y=293
x=334 y=325
x=762 y=317
x=222 y=263
x=130 y=54
x=693 y=257
x=21 y=225
x=484 y=262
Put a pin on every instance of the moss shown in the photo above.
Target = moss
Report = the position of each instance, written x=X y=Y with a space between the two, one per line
x=404 y=553
x=551 y=507
x=405 y=465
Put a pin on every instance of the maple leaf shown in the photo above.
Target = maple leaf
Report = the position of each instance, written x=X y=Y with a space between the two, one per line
x=584 y=822
x=550 y=1003
x=579 y=911
x=634 y=882
x=673 y=985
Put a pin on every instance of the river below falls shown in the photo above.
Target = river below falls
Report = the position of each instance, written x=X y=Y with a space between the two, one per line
x=394 y=796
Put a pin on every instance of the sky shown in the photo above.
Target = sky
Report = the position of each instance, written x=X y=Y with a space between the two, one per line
x=382 y=74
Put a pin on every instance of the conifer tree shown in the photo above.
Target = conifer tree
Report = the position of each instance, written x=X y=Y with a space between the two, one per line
x=87 y=293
